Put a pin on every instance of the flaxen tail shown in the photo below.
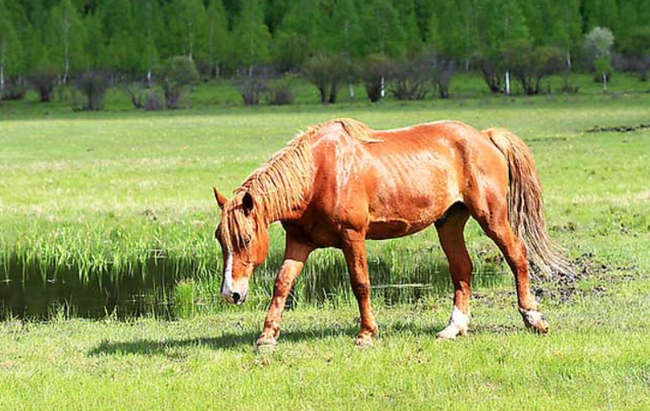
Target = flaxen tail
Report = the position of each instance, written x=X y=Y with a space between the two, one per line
x=526 y=206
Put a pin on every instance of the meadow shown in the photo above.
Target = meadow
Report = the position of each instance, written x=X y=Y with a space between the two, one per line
x=118 y=194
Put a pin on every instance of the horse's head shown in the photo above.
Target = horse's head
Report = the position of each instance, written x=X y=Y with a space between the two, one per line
x=244 y=239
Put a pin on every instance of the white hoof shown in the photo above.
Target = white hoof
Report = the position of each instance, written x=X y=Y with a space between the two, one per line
x=458 y=325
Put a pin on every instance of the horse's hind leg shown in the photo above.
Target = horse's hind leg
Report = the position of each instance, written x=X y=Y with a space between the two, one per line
x=495 y=224
x=450 y=233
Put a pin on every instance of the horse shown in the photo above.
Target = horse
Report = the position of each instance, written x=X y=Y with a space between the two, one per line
x=340 y=183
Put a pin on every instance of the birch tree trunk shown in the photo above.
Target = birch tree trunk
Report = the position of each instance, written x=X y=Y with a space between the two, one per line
x=508 y=82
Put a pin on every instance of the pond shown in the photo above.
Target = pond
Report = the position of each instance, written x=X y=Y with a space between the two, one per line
x=166 y=289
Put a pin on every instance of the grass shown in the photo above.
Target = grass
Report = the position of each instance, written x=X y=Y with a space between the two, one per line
x=106 y=193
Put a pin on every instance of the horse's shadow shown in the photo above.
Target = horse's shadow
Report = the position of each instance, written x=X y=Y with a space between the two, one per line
x=223 y=342
x=233 y=341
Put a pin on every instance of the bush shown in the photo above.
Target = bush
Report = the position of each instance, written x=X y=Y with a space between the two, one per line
x=529 y=65
x=136 y=93
x=327 y=73
x=279 y=92
x=411 y=80
x=251 y=88
x=491 y=69
x=93 y=85
x=376 y=70
x=14 y=91
x=43 y=81
x=178 y=73
x=152 y=101
x=442 y=74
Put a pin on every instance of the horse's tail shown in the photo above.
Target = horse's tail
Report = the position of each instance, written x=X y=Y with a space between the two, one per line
x=526 y=205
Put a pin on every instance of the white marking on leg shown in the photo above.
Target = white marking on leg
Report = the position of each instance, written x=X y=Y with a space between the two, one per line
x=458 y=324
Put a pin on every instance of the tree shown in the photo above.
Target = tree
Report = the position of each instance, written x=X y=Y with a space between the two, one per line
x=598 y=45
x=188 y=25
x=405 y=10
x=503 y=23
x=637 y=51
x=218 y=36
x=178 y=73
x=304 y=18
x=383 y=30
x=66 y=39
x=9 y=48
x=344 y=33
x=252 y=35
x=150 y=26
x=95 y=43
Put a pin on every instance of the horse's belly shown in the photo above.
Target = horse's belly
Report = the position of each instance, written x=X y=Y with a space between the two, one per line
x=394 y=228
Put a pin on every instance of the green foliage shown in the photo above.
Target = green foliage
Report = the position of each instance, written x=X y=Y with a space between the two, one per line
x=187 y=27
x=65 y=39
x=252 y=37
x=218 y=36
x=10 y=48
x=383 y=30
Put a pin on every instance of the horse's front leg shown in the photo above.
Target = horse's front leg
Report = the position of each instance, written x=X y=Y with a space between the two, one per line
x=354 y=248
x=295 y=255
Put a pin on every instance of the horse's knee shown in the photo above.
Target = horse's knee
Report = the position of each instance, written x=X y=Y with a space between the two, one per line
x=361 y=289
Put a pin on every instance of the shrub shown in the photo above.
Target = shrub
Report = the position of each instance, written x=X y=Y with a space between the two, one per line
x=327 y=73
x=411 y=80
x=376 y=70
x=529 y=65
x=152 y=101
x=442 y=74
x=279 y=92
x=93 y=85
x=43 y=81
x=14 y=91
x=136 y=94
x=251 y=88
x=491 y=69
x=178 y=73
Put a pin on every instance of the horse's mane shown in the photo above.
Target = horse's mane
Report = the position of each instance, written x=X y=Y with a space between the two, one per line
x=279 y=186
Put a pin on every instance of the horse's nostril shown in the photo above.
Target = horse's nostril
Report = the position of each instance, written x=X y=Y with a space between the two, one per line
x=235 y=297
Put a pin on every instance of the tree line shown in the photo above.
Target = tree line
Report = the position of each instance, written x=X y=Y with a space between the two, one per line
x=133 y=39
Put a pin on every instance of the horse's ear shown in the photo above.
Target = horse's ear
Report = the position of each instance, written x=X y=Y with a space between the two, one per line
x=247 y=203
x=221 y=199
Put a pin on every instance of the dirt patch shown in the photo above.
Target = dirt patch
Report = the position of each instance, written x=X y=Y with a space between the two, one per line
x=619 y=129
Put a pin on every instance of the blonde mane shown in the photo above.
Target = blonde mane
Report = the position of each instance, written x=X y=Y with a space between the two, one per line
x=280 y=185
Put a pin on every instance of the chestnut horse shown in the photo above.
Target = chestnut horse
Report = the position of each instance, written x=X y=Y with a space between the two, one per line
x=341 y=183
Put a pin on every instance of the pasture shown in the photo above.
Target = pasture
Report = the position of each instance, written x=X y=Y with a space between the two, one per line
x=113 y=196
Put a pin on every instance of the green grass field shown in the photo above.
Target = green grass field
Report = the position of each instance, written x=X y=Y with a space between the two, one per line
x=106 y=192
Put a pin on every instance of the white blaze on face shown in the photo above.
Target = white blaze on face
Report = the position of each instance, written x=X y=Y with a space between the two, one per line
x=227 y=275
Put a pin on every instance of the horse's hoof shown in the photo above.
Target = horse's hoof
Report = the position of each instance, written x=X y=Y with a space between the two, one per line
x=451 y=332
x=535 y=321
x=364 y=341
x=266 y=345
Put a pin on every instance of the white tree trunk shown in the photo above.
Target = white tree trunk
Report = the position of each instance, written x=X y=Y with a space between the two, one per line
x=351 y=91
x=507 y=82
x=3 y=56
x=568 y=60
x=2 y=77
x=382 y=87
x=604 y=82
